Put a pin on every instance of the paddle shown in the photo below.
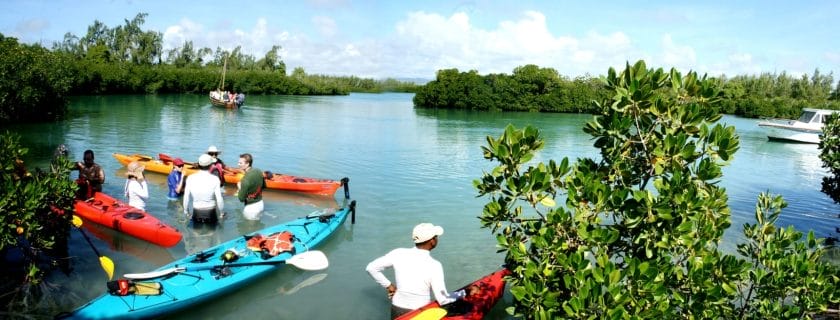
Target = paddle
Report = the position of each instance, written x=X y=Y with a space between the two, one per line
x=104 y=261
x=431 y=314
x=310 y=260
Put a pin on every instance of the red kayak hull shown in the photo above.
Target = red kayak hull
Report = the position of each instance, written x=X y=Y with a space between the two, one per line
x=112 y=213
x=473 y=307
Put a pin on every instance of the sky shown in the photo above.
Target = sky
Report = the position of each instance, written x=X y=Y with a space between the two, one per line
x=415 y=39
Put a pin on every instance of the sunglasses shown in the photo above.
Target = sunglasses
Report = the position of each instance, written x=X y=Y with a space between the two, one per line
x=213 y=153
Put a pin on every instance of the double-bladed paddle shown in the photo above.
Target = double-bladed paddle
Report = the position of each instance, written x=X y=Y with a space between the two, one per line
x=104 y=261
x=310 y=260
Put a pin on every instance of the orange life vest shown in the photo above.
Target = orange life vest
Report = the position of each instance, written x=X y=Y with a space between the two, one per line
x=274 y=244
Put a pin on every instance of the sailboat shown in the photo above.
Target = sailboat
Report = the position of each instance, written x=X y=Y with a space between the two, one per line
x=224 y=99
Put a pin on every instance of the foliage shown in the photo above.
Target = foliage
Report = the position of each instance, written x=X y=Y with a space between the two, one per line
x=639 y=234
x=28 y=222
x=830 y=155
x=529 y=88
x=33 y=84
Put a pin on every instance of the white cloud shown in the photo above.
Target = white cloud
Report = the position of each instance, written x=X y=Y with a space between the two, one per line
x=680 y=57
x=325 y=25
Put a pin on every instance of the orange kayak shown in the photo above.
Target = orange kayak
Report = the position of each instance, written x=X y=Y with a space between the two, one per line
x=487 y=292
x=112 y=213
x=275 y=181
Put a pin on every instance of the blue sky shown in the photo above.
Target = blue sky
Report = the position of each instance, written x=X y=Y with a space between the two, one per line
x=414 y=39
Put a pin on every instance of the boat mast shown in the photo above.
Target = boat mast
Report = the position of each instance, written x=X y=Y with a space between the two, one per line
x=222 y=83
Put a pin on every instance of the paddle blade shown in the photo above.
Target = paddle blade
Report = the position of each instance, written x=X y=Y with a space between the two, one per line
x=431 y=314
x=77 y=221
x=310 y=260
x=107 y=265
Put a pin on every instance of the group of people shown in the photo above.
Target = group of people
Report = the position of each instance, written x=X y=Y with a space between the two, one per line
x=418 y=276
x=201 y=191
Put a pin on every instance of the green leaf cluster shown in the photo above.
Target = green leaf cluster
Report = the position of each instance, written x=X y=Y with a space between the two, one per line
x=830 y=155
x=638 y=235
x=32 y=205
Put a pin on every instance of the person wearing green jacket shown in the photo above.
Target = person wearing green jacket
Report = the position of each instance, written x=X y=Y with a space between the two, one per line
x=250 y=188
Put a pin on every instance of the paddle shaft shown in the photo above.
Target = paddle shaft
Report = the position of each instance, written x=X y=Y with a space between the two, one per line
x=244 y=264
x=88 y=241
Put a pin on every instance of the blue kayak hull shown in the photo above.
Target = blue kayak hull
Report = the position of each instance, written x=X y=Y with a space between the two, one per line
x=184 y=289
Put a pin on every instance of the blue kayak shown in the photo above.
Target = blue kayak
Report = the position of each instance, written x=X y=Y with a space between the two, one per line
x=215 y=271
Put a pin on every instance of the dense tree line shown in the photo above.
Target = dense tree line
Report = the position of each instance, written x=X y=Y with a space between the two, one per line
x=34 y=82
x=127 y=59
x=531 y=88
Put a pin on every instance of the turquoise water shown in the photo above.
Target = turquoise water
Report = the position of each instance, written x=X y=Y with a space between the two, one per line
x=405 y=166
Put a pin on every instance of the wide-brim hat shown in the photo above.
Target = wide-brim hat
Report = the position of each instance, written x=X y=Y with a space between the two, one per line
x=205 y=160
x=425 y=231
x=213 y=149
x=178 y=162
x=134 y=168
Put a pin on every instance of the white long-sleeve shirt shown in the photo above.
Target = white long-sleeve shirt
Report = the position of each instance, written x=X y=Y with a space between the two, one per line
x=415 y=273
x=137 y=193
x=203 y=188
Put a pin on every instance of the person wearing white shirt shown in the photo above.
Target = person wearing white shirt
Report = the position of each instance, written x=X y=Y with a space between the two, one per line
x=416 y=273
x=202 y=188
x=136 y=188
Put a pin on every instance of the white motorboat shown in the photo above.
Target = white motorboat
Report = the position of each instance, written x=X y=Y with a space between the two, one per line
x=806 y=129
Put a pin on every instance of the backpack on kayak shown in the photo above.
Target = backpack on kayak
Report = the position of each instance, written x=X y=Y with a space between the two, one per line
x=124 y=287
x=272 y=245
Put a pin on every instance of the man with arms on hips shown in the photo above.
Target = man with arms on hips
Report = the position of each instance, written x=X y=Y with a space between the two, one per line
x=203 y=189
x=250 y=188
x=416 y=273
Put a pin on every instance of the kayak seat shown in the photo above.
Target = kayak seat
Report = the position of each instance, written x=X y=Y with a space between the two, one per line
x=299 y=180
x=133 y=215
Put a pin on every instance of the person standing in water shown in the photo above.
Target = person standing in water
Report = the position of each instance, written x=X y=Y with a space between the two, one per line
x=250 y=188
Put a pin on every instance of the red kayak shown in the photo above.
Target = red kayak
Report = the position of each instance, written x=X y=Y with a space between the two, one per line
x=474 y=306
x=112 y=213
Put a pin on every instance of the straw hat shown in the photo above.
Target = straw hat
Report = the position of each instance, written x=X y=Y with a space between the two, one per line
x=135 y=169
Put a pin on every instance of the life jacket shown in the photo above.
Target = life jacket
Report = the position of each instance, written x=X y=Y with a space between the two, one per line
x=272 y=245
x=218 y=170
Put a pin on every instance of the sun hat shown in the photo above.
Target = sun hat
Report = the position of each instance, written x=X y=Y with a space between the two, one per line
x=213 y=149
x=178 y=162
x=134 y=168
x=205 y=160
x=425 y=231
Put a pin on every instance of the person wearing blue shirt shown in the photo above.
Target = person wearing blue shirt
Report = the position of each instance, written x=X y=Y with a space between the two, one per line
x=176 y=179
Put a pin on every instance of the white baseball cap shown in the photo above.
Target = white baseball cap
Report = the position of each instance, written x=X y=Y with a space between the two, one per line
x=425 y=231
x=205 y=160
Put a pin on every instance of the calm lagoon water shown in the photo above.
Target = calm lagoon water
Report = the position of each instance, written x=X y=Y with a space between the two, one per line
x=405 y=166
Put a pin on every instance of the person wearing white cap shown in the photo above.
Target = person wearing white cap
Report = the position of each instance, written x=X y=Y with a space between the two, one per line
x=416 y=273
x=206 y=195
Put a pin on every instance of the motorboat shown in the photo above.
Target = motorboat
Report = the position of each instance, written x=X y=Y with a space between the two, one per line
x=806 y=129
